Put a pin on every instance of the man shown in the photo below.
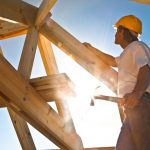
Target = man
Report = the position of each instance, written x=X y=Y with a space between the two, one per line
x=133 y=83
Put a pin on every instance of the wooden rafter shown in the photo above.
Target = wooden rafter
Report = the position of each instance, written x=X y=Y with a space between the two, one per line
x=64 y=40
x=8 y=29
x=44 y=11
x=19 y=11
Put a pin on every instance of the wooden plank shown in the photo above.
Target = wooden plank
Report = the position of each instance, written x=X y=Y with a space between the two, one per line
x=8 y=29
x=22 y=97
x=86 y=58
x=43 y=11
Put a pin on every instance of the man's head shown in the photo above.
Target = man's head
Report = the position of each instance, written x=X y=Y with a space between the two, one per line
x=128 y=29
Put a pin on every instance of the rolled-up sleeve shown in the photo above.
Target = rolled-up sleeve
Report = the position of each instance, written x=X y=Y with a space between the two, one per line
x=142 y=56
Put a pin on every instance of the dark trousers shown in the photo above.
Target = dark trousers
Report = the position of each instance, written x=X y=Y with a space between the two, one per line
x=135 y=131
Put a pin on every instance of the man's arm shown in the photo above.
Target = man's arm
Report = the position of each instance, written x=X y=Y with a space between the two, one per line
x=143 y=80
x=108 y=59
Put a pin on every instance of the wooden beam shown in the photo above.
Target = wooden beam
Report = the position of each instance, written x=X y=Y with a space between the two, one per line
x=11 y=9
x=53 y=87
x=61 y=103
x=28 y=54
x=64 y=40
x=18 y=11
x=77 y=51
x=8 y=29
x=25 y=67
x=21 y=127
x=43 y=11
x=13 y=34
x=20 y=96
x=22 y=131
x=47 y=55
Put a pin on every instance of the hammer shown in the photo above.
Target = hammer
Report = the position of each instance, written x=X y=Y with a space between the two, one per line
x=107 y=98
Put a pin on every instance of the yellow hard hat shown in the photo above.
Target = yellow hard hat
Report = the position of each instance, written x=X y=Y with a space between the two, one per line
x=130 y=22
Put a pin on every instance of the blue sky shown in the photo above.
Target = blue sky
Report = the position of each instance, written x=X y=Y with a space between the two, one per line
x=89 y=21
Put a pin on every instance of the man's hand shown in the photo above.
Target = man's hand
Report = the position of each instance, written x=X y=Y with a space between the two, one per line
x=131 y=100
x=88 y=45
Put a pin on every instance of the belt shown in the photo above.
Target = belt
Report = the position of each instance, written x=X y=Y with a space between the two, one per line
x=147 y=93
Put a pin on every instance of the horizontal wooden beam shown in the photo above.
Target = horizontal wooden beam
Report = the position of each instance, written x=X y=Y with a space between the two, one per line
x=82 y=55
x=22 y=98
x=52 y=87
x=8 y=29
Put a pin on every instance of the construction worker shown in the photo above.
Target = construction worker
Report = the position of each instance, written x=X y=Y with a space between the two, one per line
x=133 y=83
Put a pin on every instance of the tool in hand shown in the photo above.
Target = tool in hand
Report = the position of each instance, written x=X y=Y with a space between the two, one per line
x=107 y=98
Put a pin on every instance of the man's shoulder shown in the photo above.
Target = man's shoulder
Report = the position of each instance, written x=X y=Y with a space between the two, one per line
x=136 y=45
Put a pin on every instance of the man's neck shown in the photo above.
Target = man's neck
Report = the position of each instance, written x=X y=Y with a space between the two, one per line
x=125 y=44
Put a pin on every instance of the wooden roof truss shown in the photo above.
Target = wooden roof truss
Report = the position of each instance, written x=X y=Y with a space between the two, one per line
x=25 y=98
